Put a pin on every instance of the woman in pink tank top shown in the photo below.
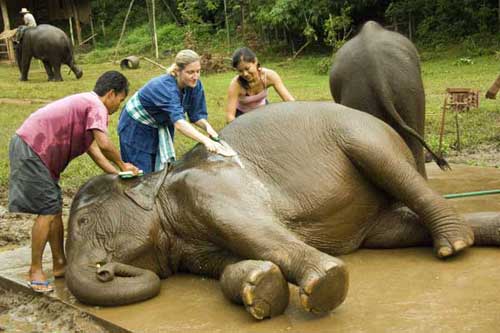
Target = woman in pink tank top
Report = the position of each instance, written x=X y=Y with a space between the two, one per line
x=248 y=90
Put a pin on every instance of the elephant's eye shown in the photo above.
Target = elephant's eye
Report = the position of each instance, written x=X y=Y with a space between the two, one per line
x=83 y=221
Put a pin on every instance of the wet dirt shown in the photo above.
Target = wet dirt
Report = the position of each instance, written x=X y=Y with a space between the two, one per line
x=26 y=313
x=390 y=290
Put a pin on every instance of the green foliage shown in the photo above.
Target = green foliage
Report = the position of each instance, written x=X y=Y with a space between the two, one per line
x=464 y=61
x=138 y=41
x=338 y=28
x=323 y=66
x=300 y=76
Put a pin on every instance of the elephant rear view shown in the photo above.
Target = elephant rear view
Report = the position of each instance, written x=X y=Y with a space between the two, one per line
x=49 y=44
x=378 y=72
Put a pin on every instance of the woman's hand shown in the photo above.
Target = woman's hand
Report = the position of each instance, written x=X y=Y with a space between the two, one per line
x=212 y=133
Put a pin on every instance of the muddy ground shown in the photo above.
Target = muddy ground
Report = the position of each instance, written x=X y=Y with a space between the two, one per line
x=22 y=313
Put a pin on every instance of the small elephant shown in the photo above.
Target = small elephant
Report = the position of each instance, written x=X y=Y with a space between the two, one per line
x=378 y=71
x=49 y=44
x=312 y=180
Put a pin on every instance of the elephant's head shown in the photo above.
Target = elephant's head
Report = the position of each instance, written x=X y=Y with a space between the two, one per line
x=114 y=235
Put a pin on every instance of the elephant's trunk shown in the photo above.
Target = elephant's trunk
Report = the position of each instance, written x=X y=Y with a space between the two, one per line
x=111 y=284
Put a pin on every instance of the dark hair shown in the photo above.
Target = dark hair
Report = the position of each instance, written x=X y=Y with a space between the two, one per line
x=111 y=80
x=247 y=55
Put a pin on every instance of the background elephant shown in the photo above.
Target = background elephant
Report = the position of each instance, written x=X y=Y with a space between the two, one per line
x=276 y=213
x=49 y=44
x=378 y=71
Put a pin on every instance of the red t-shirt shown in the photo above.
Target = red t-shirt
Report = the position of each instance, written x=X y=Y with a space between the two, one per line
x=61 y=130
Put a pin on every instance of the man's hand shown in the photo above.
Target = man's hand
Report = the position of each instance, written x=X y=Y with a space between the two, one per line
x=130 y=167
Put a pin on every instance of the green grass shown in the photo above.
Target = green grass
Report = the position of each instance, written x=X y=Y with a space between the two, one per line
x=477 y=126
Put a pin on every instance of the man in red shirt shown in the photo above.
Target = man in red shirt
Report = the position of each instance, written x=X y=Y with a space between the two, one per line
x=40 y=151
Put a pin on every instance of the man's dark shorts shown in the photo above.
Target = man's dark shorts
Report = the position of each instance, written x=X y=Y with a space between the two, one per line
x=31 y=187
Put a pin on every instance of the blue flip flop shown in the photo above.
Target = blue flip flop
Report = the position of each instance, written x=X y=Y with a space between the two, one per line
x=34 y=284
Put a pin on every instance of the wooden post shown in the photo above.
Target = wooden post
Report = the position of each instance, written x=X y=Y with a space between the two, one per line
x=103 y=29
x=227 y=26
x=6 y=26
x=71 y=31
x=123 y=28
x=5 y=15
x=92 y=29
x=155 y=37
x=77 y=21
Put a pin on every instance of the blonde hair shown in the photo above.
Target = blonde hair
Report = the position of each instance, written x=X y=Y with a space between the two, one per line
x=182 y=59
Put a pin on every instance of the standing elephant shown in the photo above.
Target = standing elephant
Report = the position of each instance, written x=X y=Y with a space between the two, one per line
x=276 y=213
x=49 y=44
x=378 y=71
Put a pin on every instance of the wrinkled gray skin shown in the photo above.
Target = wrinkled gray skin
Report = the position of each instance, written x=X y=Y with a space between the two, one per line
x=378 y=71
x=319 y=180
x=49 y=44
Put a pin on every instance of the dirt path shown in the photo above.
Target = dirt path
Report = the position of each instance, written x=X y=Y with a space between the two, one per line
x=24 y=101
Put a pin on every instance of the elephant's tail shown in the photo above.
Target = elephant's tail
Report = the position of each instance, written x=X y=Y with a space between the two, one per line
x=441 y=162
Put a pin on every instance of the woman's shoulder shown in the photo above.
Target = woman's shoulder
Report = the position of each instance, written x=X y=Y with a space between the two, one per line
x=234 y=85
x=269 y=72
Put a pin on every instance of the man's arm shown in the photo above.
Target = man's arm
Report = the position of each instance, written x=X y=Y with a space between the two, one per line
x=99 y=159
x=109 y=151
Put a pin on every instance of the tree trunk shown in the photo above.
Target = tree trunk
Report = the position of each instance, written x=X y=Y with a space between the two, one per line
x=5 y=15
x=77 y=22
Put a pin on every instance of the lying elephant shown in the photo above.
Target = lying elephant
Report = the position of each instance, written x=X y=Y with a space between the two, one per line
x=378 y=71
x=312 y=180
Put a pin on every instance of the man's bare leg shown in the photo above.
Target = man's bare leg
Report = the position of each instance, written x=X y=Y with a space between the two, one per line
x=39 y=237
x=56 y=241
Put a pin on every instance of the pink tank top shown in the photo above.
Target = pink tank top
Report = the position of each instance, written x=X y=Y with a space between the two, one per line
x=248 y=103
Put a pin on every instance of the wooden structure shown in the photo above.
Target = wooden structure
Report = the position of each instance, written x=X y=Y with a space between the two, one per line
x=457 y=100
x=6 y=45
x=45 y=11
x=495 y=87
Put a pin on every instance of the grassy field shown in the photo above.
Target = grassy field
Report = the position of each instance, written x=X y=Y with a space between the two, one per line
x=19 y=99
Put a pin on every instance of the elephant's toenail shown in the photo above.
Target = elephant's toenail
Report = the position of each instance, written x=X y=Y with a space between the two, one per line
x=445 y=251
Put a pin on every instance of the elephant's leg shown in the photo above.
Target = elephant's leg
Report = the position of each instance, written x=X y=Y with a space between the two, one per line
x=397 y=228
x=57 y=71
x=48 y=69
x=78 y=72
x=250 y=229
x=401 y=227
x=258 y=285
x=25 y=66
x=399 y=178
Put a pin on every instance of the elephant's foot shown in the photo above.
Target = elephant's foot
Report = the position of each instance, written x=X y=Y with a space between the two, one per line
x=258 y=285
x=23 y=79
x=452 y=238
x=78 y=74
x=265 y=292
x=324 y=291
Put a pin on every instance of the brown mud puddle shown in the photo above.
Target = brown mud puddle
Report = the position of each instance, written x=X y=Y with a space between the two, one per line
x=402 y=290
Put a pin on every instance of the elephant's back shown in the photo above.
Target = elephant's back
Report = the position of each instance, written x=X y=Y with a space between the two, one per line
x=50 y=35
x=298 y=150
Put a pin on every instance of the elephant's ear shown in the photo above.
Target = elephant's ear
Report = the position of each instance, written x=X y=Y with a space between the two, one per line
x=144 y=192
